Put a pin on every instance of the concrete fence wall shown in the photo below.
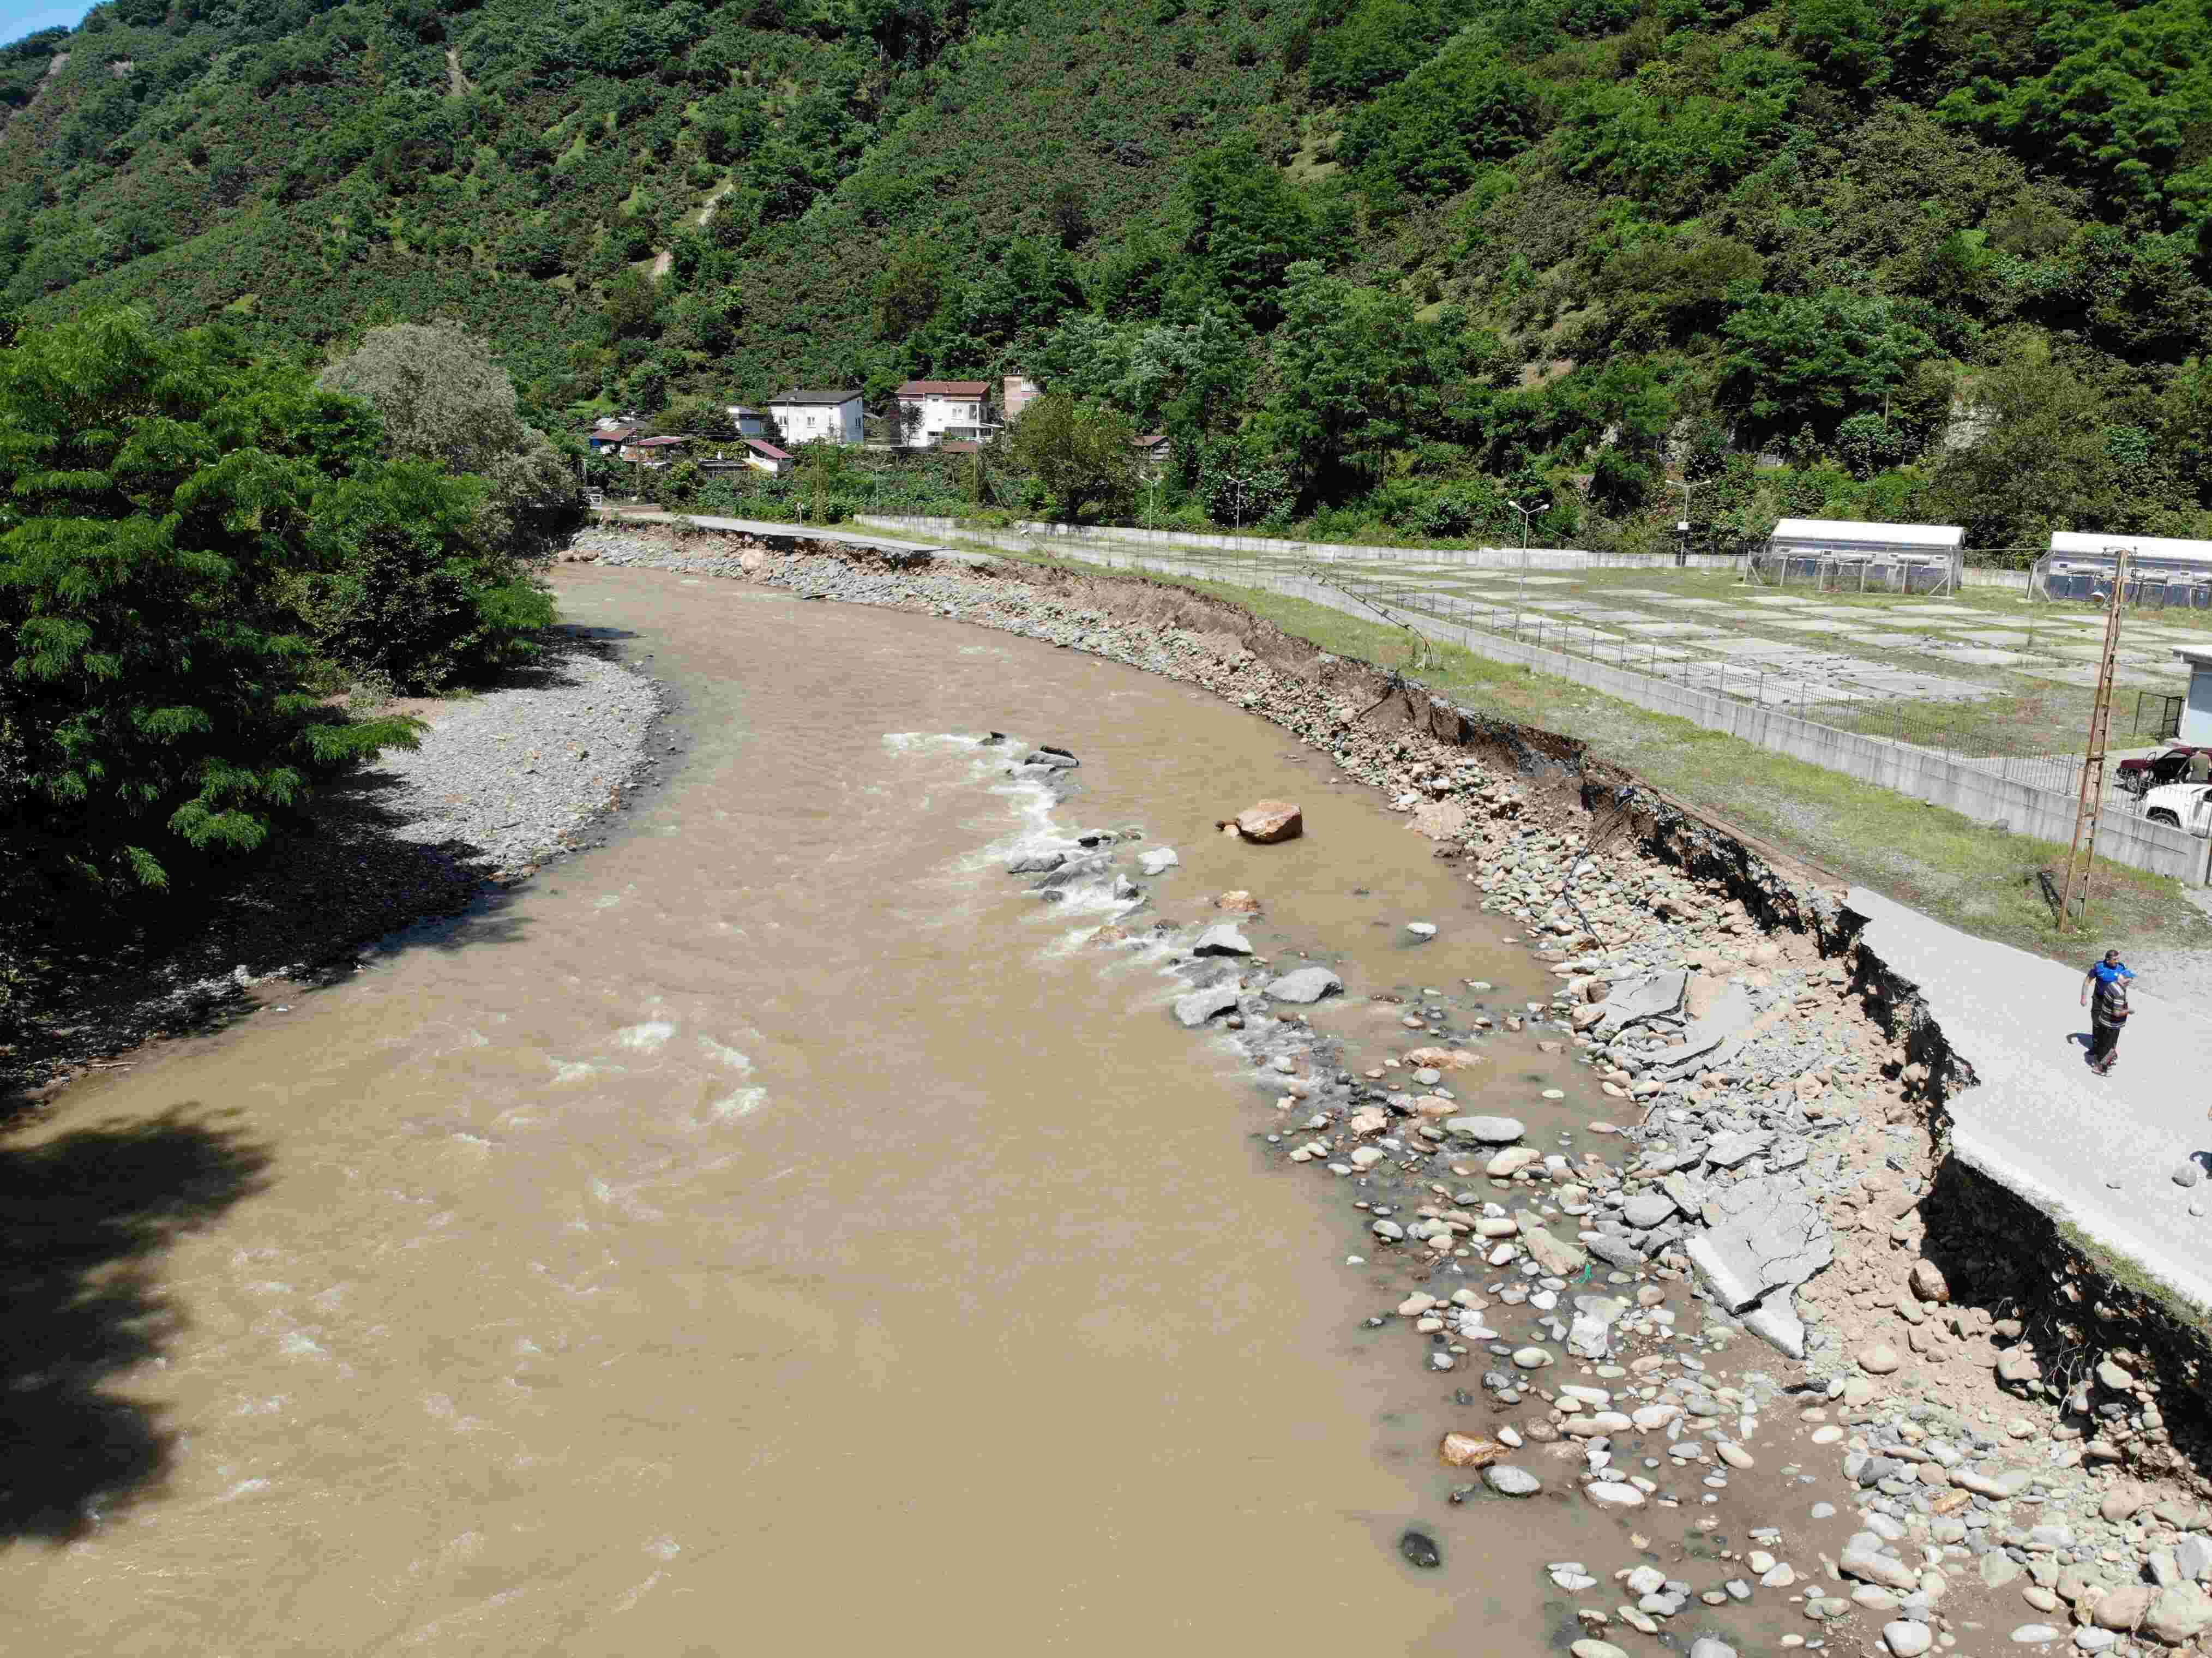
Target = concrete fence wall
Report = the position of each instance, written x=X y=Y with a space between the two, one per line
x=1479 y=558
x=1964 y=788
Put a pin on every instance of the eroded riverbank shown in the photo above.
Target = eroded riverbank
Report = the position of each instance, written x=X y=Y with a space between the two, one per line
x=1951 y=1469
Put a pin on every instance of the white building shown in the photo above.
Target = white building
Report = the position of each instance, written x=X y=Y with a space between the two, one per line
x=2161 y=569
x=807 y=416
x=1848 y=555
x=2196 y=711
x=932 y=411
x=749 y=422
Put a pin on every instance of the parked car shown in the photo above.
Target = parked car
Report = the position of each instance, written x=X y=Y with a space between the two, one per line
x=2137 y=777
x=2184 y=806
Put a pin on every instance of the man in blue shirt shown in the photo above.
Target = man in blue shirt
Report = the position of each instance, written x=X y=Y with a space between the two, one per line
x=2108 y=982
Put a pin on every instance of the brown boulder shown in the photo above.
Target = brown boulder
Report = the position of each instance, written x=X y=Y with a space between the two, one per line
x=1440 y=820
x=1237 y=903
x=1267 y=822
x=1443 y=1058
x=1470 y=1450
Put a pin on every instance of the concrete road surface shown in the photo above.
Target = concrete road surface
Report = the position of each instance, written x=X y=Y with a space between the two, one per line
x=2040 y=1122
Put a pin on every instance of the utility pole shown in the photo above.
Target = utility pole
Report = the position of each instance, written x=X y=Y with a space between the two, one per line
x=1527 y=513
x=2081 y=858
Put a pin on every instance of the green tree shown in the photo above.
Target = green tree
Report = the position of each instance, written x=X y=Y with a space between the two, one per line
x=1082 y=453
x=1819 y=357
x=2052 y=458
x=444 y=400
x=1245 y=225
x=152 y=708
x=1359 y=375
x=1433 y=132
x=402 y=590
x=908 y=290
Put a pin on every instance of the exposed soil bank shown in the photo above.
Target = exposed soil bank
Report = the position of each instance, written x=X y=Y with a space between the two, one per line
x=1810 y=1079
x=504 y=781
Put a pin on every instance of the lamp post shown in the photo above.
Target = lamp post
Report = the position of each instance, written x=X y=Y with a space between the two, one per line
x=1682 y=548
x=1527 y=514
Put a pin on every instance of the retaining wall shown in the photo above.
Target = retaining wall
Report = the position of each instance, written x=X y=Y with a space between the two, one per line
x=1964 y=788
x=1479 y=558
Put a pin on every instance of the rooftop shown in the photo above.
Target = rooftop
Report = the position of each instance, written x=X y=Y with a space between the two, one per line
x=1931 y=535
x=945 y=389
x=802 y=395
x=760 y=448
x=2082 y=543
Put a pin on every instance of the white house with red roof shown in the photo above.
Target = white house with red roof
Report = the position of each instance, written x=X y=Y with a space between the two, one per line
x=931 y=411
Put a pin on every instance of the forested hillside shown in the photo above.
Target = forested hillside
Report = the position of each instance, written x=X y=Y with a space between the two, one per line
x=1374 y=265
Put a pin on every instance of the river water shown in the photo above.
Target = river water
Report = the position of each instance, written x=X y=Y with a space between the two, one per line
x=777 y=1226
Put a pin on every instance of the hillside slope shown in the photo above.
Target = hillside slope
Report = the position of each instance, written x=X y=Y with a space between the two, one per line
x=1378 y=265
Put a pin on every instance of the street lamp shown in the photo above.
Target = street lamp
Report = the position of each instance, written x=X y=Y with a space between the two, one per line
x=1527 y=513
x=1682 y=547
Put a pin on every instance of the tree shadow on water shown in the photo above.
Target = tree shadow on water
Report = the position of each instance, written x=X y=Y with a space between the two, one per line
x=84 y=1220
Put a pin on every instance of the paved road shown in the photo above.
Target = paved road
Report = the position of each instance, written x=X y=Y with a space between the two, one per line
x=2040 y=1123
x=763 y=530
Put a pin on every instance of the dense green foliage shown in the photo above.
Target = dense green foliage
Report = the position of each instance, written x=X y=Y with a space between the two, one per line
x=1401 y=258
x=442 y=400
x=153 y=703
x=194 y=544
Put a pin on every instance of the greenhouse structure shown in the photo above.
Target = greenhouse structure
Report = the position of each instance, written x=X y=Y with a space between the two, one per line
x=2162 y=571
x=1840 y=555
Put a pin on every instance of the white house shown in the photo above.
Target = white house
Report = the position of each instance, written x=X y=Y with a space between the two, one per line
x=807 y=416
x=932 y=411
x=764 y=457
x=749 y=422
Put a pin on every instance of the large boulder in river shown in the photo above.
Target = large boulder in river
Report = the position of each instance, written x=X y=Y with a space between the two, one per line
x=1266 y=822
x=1491 y=1131
x=1222 y=940
x=1199 y=1005
x=1307 y=984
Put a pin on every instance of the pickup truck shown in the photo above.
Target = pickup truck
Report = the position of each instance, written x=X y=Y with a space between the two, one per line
x=2184 y=806
x=2137 y=777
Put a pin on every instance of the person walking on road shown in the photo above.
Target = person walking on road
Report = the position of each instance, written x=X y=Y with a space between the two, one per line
x=2107 y=981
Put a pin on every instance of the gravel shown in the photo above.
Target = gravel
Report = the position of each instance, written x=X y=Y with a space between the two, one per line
x=515 y=775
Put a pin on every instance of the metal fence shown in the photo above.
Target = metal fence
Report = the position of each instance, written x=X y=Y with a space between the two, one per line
x=1851 y=572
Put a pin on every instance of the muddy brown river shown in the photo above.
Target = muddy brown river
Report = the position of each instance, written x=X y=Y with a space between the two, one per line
x=778 y=1226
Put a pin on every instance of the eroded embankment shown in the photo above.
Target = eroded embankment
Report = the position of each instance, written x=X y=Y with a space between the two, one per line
x=1790 y=1154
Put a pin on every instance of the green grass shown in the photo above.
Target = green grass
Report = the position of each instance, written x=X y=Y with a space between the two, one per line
x=1979 y=880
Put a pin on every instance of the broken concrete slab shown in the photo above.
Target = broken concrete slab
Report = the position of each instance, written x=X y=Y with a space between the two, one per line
x=1652 y=995
x=1732 y=1013
x=1727 y=1151
x=1766 y=1234
x=1775 y=1321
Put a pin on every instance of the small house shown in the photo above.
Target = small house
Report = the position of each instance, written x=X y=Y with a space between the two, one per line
x=604 y=437
x=1152 y=451
x=931 y=411
x=764 y=457
x=748 y=422
x=805 y=416
x=654 y=452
